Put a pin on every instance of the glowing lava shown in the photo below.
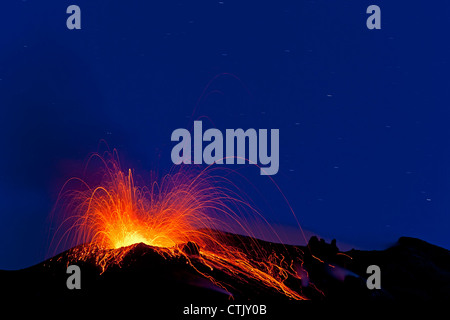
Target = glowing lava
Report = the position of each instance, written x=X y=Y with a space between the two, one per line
x=115 y=214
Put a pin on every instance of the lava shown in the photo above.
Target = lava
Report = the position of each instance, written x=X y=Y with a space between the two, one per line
x=114 y=214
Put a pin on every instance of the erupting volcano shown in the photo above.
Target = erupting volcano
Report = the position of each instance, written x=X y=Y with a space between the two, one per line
x=194 y=237
x=182 y=216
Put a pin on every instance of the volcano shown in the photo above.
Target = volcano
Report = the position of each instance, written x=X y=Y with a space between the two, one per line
x=411 y=270
x=160 y=244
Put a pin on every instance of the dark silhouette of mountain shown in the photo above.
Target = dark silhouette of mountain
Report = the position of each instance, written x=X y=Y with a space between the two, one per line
x=411 y=271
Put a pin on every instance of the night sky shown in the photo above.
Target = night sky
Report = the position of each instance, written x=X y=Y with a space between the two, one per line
x=363 y=114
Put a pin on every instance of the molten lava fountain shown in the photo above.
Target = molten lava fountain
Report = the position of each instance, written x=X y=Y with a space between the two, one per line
x=114 y=215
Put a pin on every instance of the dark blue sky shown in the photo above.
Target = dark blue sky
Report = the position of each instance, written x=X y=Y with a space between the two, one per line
x=363 y=114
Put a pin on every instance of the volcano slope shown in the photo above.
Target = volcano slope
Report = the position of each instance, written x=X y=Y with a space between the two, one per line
x=411 y=271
